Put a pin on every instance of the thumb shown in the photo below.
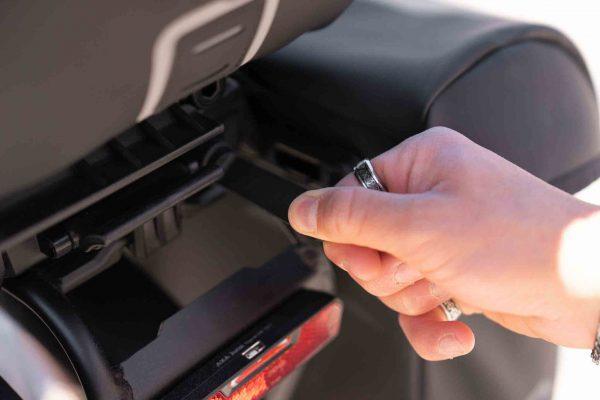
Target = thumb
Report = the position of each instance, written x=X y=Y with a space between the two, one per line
x=388 y=222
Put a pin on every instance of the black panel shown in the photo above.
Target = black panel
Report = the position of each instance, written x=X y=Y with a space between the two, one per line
x=267 y=190
x=6 y=393
x=380 y=73
x=212 y=373
x=211 y=321
x=133 y=155
x=75 y=74
x=127 y=340
x=123 y=308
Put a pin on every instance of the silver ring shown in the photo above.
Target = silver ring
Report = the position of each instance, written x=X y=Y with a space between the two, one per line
x=451 y=310
x=365 y=174
x=367 y=177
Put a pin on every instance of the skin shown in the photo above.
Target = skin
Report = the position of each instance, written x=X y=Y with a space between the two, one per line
x=461 y=222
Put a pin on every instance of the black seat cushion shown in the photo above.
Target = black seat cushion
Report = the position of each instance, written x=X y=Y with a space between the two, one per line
x=384 y=71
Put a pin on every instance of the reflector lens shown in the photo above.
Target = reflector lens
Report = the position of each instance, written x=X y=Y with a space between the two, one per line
x=269 y=355
x=314 y=334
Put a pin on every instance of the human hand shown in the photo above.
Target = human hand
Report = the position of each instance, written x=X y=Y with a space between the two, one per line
x=461 y=222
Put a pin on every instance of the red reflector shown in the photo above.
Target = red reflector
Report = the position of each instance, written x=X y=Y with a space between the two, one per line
x=269 y=355
x=314 y=334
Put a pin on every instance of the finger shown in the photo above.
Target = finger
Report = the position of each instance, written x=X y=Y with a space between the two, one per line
x=380 y=274
x=395 y=276
x=416 y=299
x=362 y=262
x=469 y=309
x=382 y=221
x=435 y=339
x=516 y=323
x=349 y=180
x=392 y=167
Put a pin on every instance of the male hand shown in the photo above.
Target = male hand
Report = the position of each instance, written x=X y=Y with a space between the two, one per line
x=461 y=222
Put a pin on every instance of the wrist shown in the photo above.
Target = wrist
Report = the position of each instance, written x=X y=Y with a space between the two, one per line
x=579 y=267
x=579 y=253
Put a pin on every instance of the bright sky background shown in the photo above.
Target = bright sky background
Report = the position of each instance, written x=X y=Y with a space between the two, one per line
x=579 y=19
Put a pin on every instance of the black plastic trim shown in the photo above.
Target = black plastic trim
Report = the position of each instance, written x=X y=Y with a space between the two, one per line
x=93 y=179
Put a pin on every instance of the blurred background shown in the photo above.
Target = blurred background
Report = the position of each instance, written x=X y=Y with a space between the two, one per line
x=577 y=377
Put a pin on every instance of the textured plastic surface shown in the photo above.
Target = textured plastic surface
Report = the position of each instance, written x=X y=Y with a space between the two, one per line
x=75 y=75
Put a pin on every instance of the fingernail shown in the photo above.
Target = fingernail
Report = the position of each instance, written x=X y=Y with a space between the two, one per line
x=303 y=213
x=449 y=346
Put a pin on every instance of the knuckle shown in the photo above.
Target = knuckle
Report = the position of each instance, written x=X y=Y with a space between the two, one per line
x=367 y=286
x=407 y=303
x=444 y=135
x=371 y=288
x=443 y=140
x=448 y=150
x=394 y=302
x=381 y=290
x=414 y=310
